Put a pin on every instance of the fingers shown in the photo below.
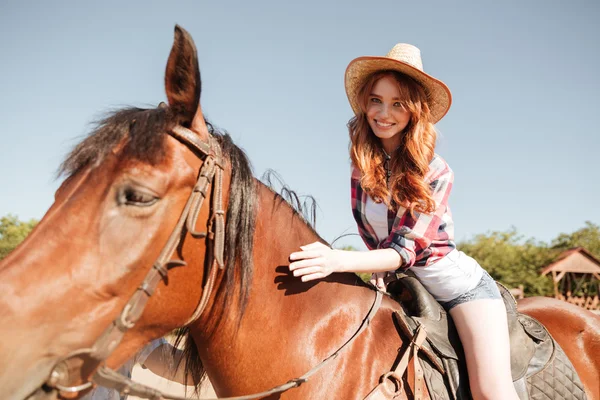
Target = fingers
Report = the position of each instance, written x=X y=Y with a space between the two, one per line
x=373 y=280
x=377 y=279
x=313 y=250
x=314 y=246
x=310 y=263
x=301 y=255
x=313 y=277
x=308 y=271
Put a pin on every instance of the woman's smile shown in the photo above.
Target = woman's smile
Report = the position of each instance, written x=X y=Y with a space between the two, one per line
x=384 y=125
x=386 y=114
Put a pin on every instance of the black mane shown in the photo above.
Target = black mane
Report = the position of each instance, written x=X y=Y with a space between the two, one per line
x=142 y=133
x=144 y=130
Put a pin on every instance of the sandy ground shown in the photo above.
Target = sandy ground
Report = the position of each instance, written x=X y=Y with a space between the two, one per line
x=146 y=377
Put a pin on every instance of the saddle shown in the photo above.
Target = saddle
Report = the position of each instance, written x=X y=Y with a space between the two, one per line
x=540 y=368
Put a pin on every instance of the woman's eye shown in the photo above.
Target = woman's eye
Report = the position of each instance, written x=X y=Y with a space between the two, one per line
x=375 y=100
x=398 y=104
x=133 y=197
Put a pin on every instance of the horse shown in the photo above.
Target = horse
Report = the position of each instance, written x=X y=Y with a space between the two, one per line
x=127 y=253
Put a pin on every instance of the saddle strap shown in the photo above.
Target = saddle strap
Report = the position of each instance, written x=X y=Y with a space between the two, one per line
x=390 y=386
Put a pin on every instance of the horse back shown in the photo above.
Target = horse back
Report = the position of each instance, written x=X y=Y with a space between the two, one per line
x=576 y=330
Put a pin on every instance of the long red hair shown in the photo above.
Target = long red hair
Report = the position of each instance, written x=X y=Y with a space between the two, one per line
x=410 y=161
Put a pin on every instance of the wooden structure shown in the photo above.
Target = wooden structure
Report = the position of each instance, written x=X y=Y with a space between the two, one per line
x=576 y=277
x=518 y=292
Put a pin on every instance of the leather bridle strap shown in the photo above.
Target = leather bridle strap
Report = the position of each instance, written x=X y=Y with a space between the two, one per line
x=216 y=221
x=390 y=386
x=134 y=308
x=190 y=138
x=72 y=369
x=109 y=378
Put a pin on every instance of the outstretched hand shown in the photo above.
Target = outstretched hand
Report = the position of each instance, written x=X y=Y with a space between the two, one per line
x=316 y=261
x=377 y=279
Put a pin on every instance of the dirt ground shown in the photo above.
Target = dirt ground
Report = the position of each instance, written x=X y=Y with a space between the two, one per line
x=146 y=377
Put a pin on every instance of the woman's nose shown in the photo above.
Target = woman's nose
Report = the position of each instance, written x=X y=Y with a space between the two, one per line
x=383 y=111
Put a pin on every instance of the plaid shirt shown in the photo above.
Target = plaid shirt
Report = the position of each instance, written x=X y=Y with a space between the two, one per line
x=420 y=240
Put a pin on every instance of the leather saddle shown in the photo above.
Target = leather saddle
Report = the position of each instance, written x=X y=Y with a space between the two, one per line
x=539 y=366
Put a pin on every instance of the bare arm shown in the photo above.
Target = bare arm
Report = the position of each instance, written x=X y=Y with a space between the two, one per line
x=317 y=261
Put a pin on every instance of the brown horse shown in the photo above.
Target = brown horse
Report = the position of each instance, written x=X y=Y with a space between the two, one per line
x=126 y=187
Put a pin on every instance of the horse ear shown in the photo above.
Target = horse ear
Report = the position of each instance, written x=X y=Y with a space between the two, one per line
x=183 y=84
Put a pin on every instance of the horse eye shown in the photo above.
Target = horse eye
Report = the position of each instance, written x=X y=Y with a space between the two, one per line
x=132 y=197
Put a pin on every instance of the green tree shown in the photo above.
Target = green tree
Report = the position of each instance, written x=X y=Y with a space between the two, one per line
x=13 y=232
x=587 y=237
x=512 y=260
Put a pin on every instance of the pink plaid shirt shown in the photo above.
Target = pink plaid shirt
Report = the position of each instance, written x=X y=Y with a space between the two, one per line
x=420 y=240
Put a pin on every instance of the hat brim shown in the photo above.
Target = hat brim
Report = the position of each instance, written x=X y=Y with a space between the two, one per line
x=438 y=94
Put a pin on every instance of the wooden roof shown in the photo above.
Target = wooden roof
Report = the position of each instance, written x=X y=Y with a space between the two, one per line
x=577 y=260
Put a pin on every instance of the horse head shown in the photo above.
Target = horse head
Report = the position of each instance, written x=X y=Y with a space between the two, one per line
x=127 y=229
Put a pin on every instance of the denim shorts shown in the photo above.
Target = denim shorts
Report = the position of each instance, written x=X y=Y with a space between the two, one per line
x=451 y=276
x=455 y=279
x=485 y=289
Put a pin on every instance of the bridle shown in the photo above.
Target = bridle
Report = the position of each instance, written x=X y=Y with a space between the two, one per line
x=68 y=373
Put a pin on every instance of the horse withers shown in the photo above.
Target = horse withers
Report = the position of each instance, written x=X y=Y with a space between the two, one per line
x=128 y=252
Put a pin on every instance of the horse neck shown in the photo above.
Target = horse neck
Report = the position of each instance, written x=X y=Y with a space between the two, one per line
x=283 y=314
x=281 y=231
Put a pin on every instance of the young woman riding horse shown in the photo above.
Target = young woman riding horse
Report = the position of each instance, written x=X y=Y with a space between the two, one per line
x=129 y=251
x=400 y=192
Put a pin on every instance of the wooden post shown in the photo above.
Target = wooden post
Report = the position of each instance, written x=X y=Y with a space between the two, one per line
x=555 y=281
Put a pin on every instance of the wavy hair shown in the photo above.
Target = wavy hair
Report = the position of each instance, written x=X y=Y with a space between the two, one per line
x=409 y=162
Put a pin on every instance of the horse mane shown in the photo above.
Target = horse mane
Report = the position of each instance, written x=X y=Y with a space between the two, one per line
x=143 y=128
x=143 y=132
x=304 y=207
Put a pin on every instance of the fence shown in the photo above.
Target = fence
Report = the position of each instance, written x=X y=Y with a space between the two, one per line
x=517 y=292
x=587 y=302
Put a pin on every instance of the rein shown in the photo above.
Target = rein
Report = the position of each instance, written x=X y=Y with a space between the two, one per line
x=109 y=378
x=71 y=369
x=69 y=372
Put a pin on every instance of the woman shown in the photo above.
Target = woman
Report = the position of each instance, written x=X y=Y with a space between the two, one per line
x=400 y=191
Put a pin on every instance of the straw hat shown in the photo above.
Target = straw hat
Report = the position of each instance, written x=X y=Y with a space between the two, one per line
x=403 y=58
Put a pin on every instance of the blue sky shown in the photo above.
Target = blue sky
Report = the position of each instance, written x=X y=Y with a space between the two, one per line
x=521 y=136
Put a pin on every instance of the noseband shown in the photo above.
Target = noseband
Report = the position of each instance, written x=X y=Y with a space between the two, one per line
x=69 y=372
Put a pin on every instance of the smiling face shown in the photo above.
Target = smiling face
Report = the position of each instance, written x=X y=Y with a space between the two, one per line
x=386 y=113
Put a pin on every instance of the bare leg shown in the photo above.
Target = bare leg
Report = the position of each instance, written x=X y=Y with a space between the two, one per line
x=483 y=330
